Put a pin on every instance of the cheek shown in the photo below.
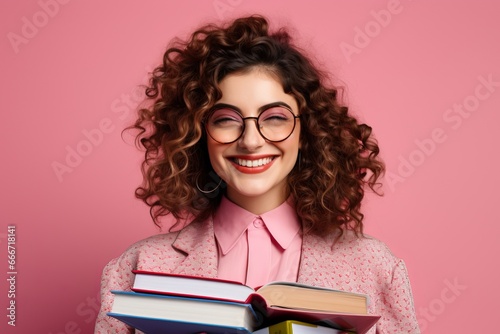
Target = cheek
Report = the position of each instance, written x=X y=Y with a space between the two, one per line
x=215 y=154
x=290 y=153
x=294 y=144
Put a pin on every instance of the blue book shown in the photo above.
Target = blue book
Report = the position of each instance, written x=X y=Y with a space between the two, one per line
x=164 y=314
x=162 y=326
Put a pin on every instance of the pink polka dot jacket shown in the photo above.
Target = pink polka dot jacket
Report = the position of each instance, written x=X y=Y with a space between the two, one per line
x=356 y=264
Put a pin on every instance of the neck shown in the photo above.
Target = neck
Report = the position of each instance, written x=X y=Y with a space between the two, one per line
x=258 y=204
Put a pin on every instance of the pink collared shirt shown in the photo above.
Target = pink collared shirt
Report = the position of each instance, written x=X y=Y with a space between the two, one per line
x=257 y=249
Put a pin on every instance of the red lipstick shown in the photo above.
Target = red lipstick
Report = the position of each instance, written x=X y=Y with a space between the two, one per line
x=251 y=170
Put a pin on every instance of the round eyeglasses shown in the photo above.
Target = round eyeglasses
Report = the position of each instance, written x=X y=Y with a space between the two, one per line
x=226 y=125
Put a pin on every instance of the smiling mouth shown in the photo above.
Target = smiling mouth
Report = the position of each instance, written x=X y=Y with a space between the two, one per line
x=253 y=163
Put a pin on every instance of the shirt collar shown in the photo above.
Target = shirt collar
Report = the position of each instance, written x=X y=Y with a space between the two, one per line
x=231 y=221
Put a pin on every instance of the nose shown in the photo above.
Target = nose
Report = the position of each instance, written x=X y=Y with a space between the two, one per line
x=251 y=138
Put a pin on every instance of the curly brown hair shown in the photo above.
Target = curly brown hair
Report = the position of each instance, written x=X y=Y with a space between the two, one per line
x=339 y=156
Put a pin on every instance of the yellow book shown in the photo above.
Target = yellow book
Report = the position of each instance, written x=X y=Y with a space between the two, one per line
x=297 y=327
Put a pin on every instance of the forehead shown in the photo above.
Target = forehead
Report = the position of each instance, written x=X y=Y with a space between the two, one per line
x=252 y=90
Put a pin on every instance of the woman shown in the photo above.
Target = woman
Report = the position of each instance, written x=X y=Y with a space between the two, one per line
x=264 y=171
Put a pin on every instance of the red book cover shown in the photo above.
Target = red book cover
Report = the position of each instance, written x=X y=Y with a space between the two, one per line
x=182 y=285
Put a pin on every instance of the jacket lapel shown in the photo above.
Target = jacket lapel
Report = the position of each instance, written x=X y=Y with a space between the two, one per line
x=197 y=242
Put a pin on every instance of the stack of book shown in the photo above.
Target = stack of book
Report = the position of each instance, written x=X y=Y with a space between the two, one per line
x=167 y=303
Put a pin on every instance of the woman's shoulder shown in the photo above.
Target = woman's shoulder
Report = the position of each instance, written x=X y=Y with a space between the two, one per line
x=164 y=245
x=143 y=250
x=350 y=250
x=350 y=240
x=347 y=241
x=350 y=262
x=365 y=249
x=158 y=240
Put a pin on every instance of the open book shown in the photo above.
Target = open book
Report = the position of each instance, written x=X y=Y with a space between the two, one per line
x=275 y=294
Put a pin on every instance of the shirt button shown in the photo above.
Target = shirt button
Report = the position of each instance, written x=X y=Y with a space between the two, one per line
x=258 y=223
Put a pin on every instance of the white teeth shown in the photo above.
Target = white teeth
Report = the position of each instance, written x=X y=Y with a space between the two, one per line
x=253 y=163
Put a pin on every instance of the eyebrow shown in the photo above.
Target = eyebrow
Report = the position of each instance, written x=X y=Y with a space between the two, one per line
x=260 y=110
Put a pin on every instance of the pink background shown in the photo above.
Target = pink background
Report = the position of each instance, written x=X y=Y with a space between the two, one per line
x=71 y=67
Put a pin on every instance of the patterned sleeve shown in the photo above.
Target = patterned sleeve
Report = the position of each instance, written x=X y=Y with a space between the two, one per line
x=117 y=275
x=398 y=314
